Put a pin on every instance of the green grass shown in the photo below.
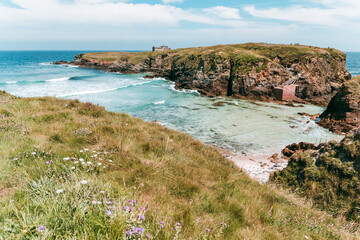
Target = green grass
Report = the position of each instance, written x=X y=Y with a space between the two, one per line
x=176 y=178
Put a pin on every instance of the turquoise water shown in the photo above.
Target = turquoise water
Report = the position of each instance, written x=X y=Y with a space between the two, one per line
x=238 y=125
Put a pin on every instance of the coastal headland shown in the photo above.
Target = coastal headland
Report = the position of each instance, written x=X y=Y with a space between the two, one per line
x=248 y=71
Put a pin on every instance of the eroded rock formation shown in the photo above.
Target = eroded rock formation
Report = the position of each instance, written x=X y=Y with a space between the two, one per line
x=249 y=71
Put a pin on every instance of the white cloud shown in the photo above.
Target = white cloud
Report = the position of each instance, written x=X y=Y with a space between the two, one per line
x=172 y=1
x=223 y=12
x=110 y=13
x=330 y=13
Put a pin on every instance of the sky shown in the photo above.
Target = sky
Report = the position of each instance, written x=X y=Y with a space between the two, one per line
x=141 y=24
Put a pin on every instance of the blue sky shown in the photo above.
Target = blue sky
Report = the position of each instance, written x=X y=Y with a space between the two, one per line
x=140 y=24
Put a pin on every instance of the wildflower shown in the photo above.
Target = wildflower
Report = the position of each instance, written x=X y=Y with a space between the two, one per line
x=33 y=153
x=82 y=162
x=72 y=167
x=306 y=237
x=59 y=191
x=81 y=151
x=161 y=224
x=108 y=212
x=76 y=162
x=94 y=151
x=208 y=230
x=83 y=182
x=99 y=163
x=85 y=149
x=142 y=217
x=102 y=192
x=110 y=160
x=67 y=158
x=177 y=224
x=94 y=202
x=89 y=163
x=42 y=227
x=99 y=202
x=48 y=162
x=81 y=159
x=109 y=202
x=124 y=208
x=129 y=232
x=139 y=230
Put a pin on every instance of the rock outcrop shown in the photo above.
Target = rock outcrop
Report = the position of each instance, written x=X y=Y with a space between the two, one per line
x=343 y=111
x=249 y=71
x=328 y=174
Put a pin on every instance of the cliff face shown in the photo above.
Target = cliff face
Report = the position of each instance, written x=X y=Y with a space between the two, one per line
x=246 y=70
x=328 y=174
x=343 y=111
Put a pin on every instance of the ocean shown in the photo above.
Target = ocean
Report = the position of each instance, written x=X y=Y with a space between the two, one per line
x=240 y=126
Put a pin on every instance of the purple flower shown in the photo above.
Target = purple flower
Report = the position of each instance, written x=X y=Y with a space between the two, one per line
x=139 y=230
x=161 y=224
x=42 y=227
x=108 y=212
x=109 y=202
x=129 y=232
x=130 y=209
x=124 y=208
x=178 y=224
x=208 y=230
x=142 y=217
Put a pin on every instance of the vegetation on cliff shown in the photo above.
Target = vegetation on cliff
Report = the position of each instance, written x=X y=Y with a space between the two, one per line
x=329 y=175
x=72 y=170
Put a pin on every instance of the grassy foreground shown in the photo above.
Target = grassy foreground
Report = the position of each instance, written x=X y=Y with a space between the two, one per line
x=71 y=170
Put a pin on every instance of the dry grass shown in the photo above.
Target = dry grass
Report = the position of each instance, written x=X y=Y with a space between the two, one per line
x=176 y=177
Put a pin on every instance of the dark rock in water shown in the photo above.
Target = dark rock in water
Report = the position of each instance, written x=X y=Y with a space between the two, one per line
x=61 y=62
x=343 y=111
x=219 y=104
x=152 y=76
x=249 y=71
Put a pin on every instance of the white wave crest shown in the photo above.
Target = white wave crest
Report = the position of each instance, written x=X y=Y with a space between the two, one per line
x=87 y=92
x=160 y=102
x=11 y=82
x=58 y=79
x=45 y=63
x=172 y=87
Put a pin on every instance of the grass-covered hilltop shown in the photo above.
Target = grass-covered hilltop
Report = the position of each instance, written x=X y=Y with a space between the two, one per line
x=71 y=170
x=250 y=70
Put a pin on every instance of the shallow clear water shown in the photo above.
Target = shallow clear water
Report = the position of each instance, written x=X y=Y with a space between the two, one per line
x=238 y=125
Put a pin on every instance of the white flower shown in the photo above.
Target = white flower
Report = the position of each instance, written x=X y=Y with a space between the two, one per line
x=85 y=149
x=94 y=151
x=67 y=158
x=102 y=192
x=94 y=202
x=89 y=162
x=104 y=167
x=76 y=162
x=59 y=191
x=81 y=159
x=33 y=153
x=72 y=167
x=99 y=163
x=83 y=182
x=82 y=162
x=81 y=151
x=99 y=202
x=110 y=160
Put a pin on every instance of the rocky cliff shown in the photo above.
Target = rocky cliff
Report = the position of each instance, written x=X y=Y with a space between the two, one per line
x=242 y=71
x=328 y=174
x=343 y=111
